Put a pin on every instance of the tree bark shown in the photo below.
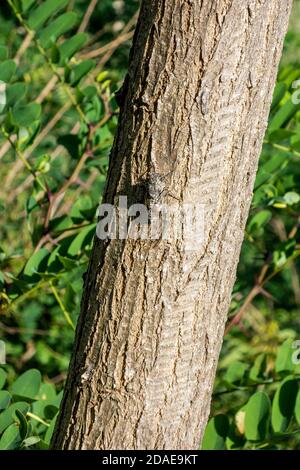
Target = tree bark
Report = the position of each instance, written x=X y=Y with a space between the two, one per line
x=194 y=108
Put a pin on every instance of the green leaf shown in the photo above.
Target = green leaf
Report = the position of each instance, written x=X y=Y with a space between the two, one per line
x=23 y=116
x=50 y=430
x=54 y=54
x=256 y=373
x=27 y=385
x=80 y=71
x=2 y=280
x=216 y=433
x=61 y=223
x=82 y=209
x=295 y=144
x=7 y=70
x=5 y=399
x=27 y=135
x=26 y=4
x=102 y=76
x=268 y=169
x=283 y=116
x=47 y=392
x=36 y=262
x=279 y=92
x=23 y=425
x=89 y=92
x=39 y=16
x=15 y=93
x=11 y=438
x=42 y=163
x=257 y=416
x=93 y=111
x=280 y=135
x=284 y=362
x=259 y=220
x=45 y=398
x=235 y=438
x=7 y=417
x=235 y=373
x=284 y=404
x=50 y=411
x=59 y=398
x=31 y=441
x=283 y=253
x=69 y=298
x=291 y=198
x=56 y=28
x=3 y=376
x=68 y=263
x=31 y=204
x=42 y=445
x=71 y=143
x=82 y=240
x=71 y=46
x=3 y=53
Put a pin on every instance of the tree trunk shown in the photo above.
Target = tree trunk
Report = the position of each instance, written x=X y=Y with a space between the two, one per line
x=194 y=108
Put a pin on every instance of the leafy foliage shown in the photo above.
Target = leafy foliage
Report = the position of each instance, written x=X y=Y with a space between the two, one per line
x=28 y=410
x=59 y=70
x=266 y=410
x=57 y=120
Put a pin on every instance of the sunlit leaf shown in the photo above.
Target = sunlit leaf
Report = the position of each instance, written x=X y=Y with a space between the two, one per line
x=216 y=433
x=257 y=416
x=42 y=13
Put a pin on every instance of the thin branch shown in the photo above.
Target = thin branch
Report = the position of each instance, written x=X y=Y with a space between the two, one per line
x=24 y=46
x=62 y=307
x=87 y=16
x=283 y=148
x=108 y=47
x=46 y=90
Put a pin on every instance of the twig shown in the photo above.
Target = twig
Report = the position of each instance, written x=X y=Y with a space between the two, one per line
x=66 y=185
x=46 y=90
x=63 y=308
x=24 y=46
x=37 y=418
x=23 y=159
x=87 y=16
x=108 y=47
x=282 y=147
x=10 y=330
x=257 y=289
x=238 y=316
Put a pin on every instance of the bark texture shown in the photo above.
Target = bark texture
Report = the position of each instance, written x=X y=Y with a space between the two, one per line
x=194 y=108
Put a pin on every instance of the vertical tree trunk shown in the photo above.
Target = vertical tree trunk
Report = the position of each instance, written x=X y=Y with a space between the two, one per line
x=195 y=107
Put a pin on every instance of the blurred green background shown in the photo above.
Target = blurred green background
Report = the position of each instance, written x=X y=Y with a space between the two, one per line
x=58 y=118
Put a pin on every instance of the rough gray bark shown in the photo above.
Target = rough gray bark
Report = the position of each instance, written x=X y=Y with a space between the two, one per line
x=195 y=107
